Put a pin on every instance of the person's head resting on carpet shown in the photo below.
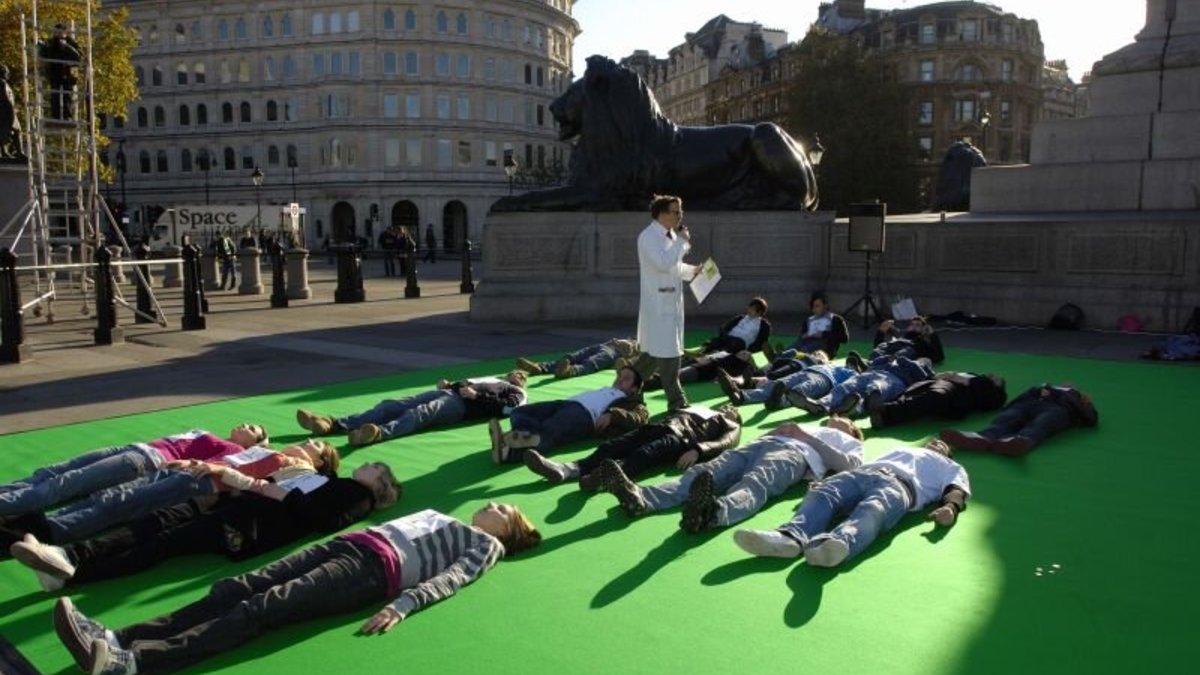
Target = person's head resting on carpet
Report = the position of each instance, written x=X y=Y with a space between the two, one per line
x=384 y=486
x=506 y=523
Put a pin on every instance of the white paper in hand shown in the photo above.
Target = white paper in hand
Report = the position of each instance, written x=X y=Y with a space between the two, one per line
x=705 y=281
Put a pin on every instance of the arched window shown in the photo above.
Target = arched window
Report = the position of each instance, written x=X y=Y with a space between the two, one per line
x=144 y=161
x=160 y=161
x=239 y=29
x=285 y=25
x=185 y=161
x=160 y=116
x=289 y=68
x=273 y=156
x=443 y=24
x=198 y=73
x=243 y=71
x=226 y=72
x=230 y=159
x=269 y=69
x=222 y=30
x=389 y=63
x=389 y=19
x=143 y=118
x=181 y=74
x=318 y=23
x=227 y=113
x=201 y=114
x=410 y=20
x=272 y=111
x=460 y=24
x=197 y=31
x=245 y=111
x=292 y=157
x=185 y=116
x=248 y=157
x=411 y=65
x=153 y=34
x=268 y=26
x=180 y=34
x=140 y=74
x=156 y=77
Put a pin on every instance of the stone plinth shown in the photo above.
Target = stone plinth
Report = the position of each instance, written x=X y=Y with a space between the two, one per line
x=297 y=274
x=568 y=266
x=1140 y=148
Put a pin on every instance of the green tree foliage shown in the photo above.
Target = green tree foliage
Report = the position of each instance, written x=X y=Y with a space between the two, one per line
x=112 y=50
x=843 y=93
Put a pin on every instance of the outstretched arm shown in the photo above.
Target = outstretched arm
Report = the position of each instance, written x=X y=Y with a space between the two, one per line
x=954 y=500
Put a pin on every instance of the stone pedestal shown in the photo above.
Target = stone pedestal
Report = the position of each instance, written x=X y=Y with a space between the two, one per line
x=172 y=272
x=584 y=266
x=118 y=271
x=297 y=275
x=251 y=272
x=1139 y=150
x=210 y=267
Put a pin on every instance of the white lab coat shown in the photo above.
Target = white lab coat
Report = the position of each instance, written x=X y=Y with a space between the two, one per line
x=660 y=312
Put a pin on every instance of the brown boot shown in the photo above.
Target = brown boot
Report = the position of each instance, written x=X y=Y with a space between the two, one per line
x=318 y=424
x=529 y=366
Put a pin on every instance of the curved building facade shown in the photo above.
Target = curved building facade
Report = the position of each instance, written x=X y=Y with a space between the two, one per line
x=367 y=113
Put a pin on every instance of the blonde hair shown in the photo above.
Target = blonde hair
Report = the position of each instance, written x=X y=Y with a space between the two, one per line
x=330 y=459
x=521 y=535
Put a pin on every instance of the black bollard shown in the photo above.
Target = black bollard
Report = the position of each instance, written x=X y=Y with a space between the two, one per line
x=411 y=289
x=467 y=285
x=350 y=280
x=145 y=307
x=193 y=290
x=106 y=332
x=279 y=296
x=12 y=318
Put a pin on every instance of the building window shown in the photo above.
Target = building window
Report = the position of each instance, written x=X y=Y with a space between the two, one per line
x=268 y=26
x=156 y=77
x=464 y=153
x=928 y=33
x=412 y=152
x=968 y=30
x=391 y=106
x=411 y=65
x=1006 y=70
x=243 y=71
x=541 y=77
x=272 y=111
x=160 y=161
x=391 y=152
x=489 y=27
x=443 y=153
x=507 y=111
x=318 y=23
x=248 y=157
x=442 y=23
x=462 y=66
x=226 y=73
x=230 y=159
x=285 y=25
x=222 y=30
x=227 y=113
x=269 y=69
x=389 y=63
x=244 y=112
x=968 y=73
x=443 y=106
x=412 y=106
x=506 y=30
x=410 y=20
x=160 y=116
x=180 y=34
x=1006 y=32
x=489 y=69
x=1005 y=113
x=964 y=110
x=185 y=161
x=925 y=147
x=144 y=161
x=335 y=106
x=289 y=68
x=489 y=153
x=353 y=24
x=335 y=22
x=181 y=74
x=925 y=116
x=335 y=63
x=463 y=107
x=541 y=115
x=318 y=65
x=291 y=112
x=201 y=114
x=197 y=31
x=389 y=19
x=239 y=29
x=441 y=64
x=490 y=110
x=185 y=116
x=927 y=70
x=528 y=74
x=460 y=24
x=139 y=75
x=273 y=156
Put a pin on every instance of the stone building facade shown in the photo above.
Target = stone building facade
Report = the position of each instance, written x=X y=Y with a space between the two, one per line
x=368 y=113
x=1058 y=92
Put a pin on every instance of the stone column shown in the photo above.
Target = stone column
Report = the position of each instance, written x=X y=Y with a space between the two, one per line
x=251 y=272
x=172 y=272
x=297 y=274
x=118 y=272
x=211 y=270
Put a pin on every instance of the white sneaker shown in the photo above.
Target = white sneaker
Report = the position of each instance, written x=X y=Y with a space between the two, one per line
x=52 y=560
x=108 y=659
x=767 y=543
x=49 y=582
x=827 y=552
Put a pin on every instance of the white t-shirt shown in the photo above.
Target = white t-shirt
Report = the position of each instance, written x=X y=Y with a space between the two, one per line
x=928 y=473
x=597 y=401
x=819 y=324
x=747 y=329
x=840 y=441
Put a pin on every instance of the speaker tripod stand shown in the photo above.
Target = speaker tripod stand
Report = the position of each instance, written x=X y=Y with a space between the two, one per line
x=866 y=300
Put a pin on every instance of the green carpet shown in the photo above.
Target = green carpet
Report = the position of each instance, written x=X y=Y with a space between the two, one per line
x=1075 y=559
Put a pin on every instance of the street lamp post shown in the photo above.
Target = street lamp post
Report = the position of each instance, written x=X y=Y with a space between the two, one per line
x=510 y=169
x=985 y=119
x=257 y=177
x=121 y=168
x=815 y=154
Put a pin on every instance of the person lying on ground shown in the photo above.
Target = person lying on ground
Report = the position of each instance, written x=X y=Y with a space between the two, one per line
x=409 y=563
x=884 y=380
x=1029 y=419
x=948 y=395
x=584 y=361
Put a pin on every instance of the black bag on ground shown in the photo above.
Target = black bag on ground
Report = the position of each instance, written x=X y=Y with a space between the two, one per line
x=1068 y=317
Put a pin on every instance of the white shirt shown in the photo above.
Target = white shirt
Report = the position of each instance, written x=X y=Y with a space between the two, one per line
x=597 y=401
x=819 y=324
x=841 y=442
x=747 y=329
x=928 y=473
x=662 y=274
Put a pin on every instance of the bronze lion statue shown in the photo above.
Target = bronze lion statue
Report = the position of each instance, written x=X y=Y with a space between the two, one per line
x=626 y=150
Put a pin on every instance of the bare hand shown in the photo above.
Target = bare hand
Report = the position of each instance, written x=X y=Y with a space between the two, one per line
x=944 y=515
x=382 y=622
x=180 y=464
x=687 y=459
x=886 y=325
x=603 y=421
x=204 y=469
x=684 y=233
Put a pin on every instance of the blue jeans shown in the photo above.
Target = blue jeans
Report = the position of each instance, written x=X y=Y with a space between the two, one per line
x=902 y=367
x=1035 y=420
x=436 y=408
x=125 y=502
x=556 y=422
x=812 y=385
x=78 y=476
x=872 y=501
x=747 y=478
x=888 y=385
x=591 y=359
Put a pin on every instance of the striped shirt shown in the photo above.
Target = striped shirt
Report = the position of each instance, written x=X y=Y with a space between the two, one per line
x=428 y=556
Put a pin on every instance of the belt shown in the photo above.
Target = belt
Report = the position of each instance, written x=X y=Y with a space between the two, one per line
x=667 y=289
x=891 y=473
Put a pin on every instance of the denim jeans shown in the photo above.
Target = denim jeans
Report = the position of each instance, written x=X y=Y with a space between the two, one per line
x=324 y=580
x=395 y=418
x=895 y=347
x=557 y=422
x=591 y=359
x=872 y=502
x=747 y=478
x=888 y=385
x=126 y=502
x=812 y=385
x=1035 y=420
x=228 y=272
x=78 y=476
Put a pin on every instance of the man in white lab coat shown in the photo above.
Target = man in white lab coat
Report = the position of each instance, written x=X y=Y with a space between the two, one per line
x=661 y=247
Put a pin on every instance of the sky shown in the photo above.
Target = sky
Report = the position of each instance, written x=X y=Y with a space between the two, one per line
x=1081 y=31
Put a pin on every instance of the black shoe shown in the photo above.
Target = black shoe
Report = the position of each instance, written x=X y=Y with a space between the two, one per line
x=591 y=482
x=777 y=397
x=701 y=506
x=731 y=389
x=552 y=471
x=848 y=404
x=854 y=361
x=798 y=399
x=874 y=406
x=626 y=491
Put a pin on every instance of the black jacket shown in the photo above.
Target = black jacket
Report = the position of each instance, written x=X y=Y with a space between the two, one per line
x=926 y=346
x=709 y=437
x=491 y=399
x=254 y=524
x=764 y=332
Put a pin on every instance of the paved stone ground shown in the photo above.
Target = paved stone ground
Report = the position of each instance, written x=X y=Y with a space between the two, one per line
x=249 y=348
